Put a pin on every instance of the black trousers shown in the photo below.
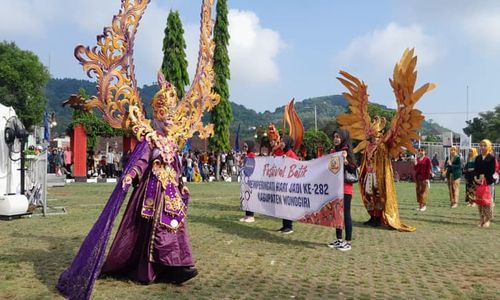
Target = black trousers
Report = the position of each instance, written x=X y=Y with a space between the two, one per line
x=347 y=219
x=110 y=172
x=287 y=224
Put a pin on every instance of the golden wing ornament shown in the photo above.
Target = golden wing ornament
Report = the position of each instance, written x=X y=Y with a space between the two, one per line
x=200 y=96
x=294 y=123
x=176 y=121
x=407 y=120
x=78 y=102
x=357 y=120
x=111 y=63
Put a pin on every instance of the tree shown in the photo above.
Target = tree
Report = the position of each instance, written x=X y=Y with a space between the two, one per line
x=486 y=126
x=94 y=126
x=329 y=127
x=314 y=139
x=221 y=116
x=22 y=80
x=431 y=138
x=174 y=66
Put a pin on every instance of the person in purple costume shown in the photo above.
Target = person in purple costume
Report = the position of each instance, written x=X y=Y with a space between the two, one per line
x=152 y=242
x=147 y=245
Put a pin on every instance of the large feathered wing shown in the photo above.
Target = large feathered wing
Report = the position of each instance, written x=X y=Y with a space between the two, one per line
x=111 y=63
x=407 y=120
x=357 y=120
x=200 y=97
x=291 y=117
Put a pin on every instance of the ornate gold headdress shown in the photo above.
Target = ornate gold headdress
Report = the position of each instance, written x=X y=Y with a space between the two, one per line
x=291 y=117
x=118 y=98
x=273 y=133
x=376 y=128
x=405 y=123
x=164 y=101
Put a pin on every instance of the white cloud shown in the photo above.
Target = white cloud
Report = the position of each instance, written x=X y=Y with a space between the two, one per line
x=475 y=22
x=483 y=29
x=383 y=48
x=253 y=49
x=33 y=18
x=24 y=18
x=91 y=15
x=148 y=54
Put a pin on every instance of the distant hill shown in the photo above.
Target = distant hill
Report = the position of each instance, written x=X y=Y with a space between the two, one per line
x=327 y=107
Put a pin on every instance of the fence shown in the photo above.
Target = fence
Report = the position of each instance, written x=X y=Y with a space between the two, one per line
x=442 y=152
x=36 y=181
x=403 y=170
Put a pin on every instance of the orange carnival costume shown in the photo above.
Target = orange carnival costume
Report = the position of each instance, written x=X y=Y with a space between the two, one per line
x=376 y=182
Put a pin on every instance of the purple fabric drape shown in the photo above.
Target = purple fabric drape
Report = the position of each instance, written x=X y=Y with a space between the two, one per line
x=77 y=281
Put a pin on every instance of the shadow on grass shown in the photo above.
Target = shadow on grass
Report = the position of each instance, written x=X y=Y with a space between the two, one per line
x=47 y=263
x=439 y=221
x=214 y=206
x=252 y=233
x=361 y=224
x=461 y=216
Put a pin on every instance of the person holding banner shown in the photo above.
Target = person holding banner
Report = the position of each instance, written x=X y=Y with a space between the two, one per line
x=484 y=170
x=249 y=150
x=342 y=143
x=281 y=147
x=287 y=146
x=422 y=175
x=453 y=167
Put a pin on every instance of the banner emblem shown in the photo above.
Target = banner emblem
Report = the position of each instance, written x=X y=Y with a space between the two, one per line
x=334 y=165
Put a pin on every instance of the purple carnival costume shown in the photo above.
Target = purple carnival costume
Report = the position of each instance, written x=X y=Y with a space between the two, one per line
x=152 y=242
x=145 y=241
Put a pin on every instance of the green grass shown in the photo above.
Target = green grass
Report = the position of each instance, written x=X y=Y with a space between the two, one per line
x=448 y=257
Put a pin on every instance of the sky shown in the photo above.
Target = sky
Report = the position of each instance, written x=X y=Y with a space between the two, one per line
x=283 y=49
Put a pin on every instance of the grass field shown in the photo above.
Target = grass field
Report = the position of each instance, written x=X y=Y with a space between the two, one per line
x=448 y=257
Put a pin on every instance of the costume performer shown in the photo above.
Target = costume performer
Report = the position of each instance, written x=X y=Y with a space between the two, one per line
x=274 y=141
x=376 y=176
x=152 y=242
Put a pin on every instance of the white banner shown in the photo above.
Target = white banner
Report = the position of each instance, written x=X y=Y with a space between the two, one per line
x=290 y=189
x=465 y=141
